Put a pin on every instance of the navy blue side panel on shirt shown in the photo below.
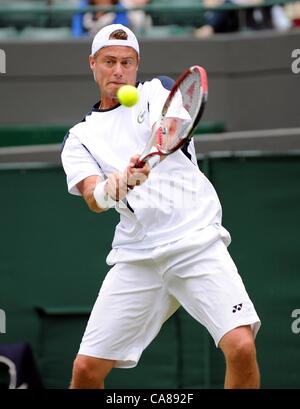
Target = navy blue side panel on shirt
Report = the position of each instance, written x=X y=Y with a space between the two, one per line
x=167 y=82
x=65 y=140
x=185 y=150
x=68 y=133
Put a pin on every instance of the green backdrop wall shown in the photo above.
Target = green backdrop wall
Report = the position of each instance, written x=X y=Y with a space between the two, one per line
x=53 y=262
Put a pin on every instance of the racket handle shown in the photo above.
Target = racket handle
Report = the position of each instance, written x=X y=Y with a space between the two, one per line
x=139 y=164
x=152 y=161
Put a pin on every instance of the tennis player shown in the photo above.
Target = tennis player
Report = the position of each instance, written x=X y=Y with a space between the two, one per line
x=170 y=248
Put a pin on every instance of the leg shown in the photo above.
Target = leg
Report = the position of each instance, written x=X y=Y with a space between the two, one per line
x=127 y=315
x=240 y=355
x=208 y=286
x=90 y=372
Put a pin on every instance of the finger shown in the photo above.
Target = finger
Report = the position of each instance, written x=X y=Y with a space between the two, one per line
x=145 y=170
x=137 y=179
x=134 y=160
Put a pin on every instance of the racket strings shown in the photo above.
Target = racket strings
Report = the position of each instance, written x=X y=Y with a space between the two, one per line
x=181 y=113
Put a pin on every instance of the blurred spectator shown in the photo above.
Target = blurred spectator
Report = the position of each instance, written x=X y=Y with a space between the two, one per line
x=139 y=21
x=91 y=23
x=253 y=18
x=280 y=19
x=293 y=12
x=218 y=21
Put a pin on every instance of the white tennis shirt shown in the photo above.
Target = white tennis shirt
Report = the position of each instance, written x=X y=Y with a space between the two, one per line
x=176 y=198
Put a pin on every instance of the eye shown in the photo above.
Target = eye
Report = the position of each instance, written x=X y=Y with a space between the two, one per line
x=127 y=63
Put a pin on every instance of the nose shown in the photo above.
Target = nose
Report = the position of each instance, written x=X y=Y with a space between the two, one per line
x=118 y=70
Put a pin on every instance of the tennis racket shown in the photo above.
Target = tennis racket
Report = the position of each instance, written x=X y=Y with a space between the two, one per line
x=179 y=117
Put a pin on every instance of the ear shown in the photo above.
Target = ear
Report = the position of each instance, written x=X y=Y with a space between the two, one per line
x=92 y=62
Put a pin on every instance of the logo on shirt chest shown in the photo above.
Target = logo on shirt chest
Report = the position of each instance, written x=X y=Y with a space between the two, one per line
x=141 y=117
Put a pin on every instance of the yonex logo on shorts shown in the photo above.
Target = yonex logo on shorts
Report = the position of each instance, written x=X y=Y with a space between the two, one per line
x=2 y=322
x=2 y=62
x=296 y=63
x=237 y=307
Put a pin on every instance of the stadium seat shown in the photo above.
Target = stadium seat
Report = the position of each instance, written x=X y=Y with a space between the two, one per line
x=46 y=33
x=12 y=17
x=181 y=17
x=8 y=32
x=166 y=31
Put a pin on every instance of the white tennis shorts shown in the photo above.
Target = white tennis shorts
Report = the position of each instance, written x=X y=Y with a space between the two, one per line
x=143 y=289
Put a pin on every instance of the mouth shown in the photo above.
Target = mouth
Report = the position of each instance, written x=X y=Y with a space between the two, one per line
x=117 y=83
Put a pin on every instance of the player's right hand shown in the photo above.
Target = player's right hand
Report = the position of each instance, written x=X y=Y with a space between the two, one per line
x=116 y=186
x=118 y=183
x=136 y=176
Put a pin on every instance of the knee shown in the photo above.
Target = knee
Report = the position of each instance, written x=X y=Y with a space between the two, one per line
x=84 y=370
x=242 y=352
x=90 y=372
x=81 y=367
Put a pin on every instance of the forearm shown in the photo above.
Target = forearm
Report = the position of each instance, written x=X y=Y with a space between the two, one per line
x=90 y=198
x=87 y=187
x=101 y=195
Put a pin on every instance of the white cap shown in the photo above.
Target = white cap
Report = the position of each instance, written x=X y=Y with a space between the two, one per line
x=101 y=39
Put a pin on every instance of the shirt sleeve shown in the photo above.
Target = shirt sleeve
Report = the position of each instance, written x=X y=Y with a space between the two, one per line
x=78 y=163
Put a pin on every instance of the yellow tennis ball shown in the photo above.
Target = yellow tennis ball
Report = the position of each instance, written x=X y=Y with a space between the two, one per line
x=128 y=95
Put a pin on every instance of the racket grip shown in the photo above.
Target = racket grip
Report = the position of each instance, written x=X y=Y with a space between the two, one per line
x=143 y=159
x=139 y=164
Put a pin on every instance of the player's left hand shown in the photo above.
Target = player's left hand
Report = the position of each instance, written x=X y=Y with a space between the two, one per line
x=136 y=176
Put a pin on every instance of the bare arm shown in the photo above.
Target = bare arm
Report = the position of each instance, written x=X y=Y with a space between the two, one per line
x=86 y=187
x=116 y=186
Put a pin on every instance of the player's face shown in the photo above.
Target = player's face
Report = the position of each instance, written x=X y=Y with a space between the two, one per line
x=113 y=67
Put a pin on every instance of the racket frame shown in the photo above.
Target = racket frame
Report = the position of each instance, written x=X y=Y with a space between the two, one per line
x=157 y=148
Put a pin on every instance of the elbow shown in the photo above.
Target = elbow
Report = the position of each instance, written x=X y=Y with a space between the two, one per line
x=94 y=208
